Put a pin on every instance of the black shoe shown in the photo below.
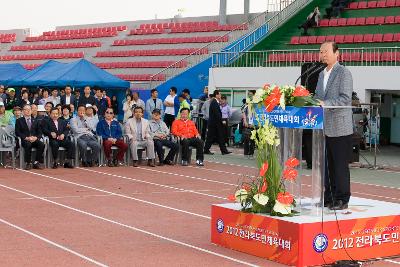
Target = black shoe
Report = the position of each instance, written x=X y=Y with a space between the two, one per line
x=135 y=163
x=339 y=205
x=68 y=165
x=37 y=166
x=90 y=163
x=85 y=164
x=55 y=165
x=199 y=163
x=168 y=162
x=184 y=163
x=110 y=163
x=115 y=163
x=28 y=166
x=208 y=152
x=150 y=163
x=226 y=152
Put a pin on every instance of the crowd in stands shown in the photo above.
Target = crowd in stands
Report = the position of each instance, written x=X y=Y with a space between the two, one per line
x=85 y=126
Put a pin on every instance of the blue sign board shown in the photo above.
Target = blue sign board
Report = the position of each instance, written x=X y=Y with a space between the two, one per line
x=291 y=117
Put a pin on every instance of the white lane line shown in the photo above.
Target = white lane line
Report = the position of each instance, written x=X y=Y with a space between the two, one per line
x=392 y=261
x=306 y=175
x=60 y=197
x=230 y=164
x=131 y=227
x=53 y=243
x=118 y=195
x=151 y=183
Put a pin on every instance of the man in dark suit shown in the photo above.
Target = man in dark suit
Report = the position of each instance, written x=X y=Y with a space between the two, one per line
x=29 y=130
x=86 y=98
x=68 y=98
x=56 y=129
x=334 y=88
x=215 y=129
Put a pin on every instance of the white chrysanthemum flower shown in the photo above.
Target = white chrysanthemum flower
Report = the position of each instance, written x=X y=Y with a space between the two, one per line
x=282 y=101
x=261 y=199
x=282 y=208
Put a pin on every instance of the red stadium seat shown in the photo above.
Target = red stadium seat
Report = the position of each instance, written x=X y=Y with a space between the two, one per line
x=348 y=39
x=368 y=38
x=324 y=23
x=360 y=21
x=362 y=5
x=330 y=38
x=342 y=22
x=370 y=21
x=397 y=3
x=353 y=5
x=380 y=20
x=390 y=56
x=339 y=39
x=377 y=38
x=321 y=39
x=351 y=21
x=388 y=37
x=389 y=20
x=312 y=39
x=381 y=4
x=371 y=56
x=396 y=37
x=397 y=20
x=390 y=3
x=333 y=22
x=303 y=39
x=371 y=4
x=358 y=38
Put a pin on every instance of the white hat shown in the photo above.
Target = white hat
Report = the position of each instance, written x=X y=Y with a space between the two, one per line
x=40 y=108
x=89 y=106
x=1 y=103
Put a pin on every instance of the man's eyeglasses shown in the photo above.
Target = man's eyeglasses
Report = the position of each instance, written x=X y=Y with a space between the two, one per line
x=109 y=112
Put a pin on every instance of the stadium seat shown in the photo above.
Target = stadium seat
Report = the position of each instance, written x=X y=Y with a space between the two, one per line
x=381 y=4
x=389 y=20
x=388 y=37
x=397 y=20
x=330 y=38
x=390 y=56
x=303 y=39
x=294 y=40
x=396 y=37
x=353 y=5
x=333 y=22
x=362 y=5
x=370 y=21
x=312 y=39
x=339 y=39
x=371 y=4
x=321 y=39
x=342 y=22
x=348 y=39
x=324 y=23
x=380 y=20
x=371 y=56
x=360 y=21
x=368 y=38
x=377 y=38
x=397 y=3
x=351 y=21
x=358 y=38
x=390 y=3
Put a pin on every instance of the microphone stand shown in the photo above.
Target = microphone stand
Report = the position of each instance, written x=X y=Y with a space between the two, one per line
x=313 y=65
x=318 y=69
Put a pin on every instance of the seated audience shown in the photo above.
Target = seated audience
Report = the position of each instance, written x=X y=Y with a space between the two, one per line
x=29 y=130
x=312 y=21
x=186 y=130
x=111 y=133
x=138 y=131
x=161 y=137
x=86 y=137
x=56 y=130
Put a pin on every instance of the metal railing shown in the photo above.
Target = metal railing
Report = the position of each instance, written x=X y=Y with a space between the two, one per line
x=362 y=56
x=251 y=32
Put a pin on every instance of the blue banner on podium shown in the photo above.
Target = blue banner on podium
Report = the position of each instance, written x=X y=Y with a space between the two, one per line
x=291 y=117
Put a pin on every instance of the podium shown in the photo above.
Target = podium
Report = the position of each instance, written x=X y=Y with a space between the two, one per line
x=315 y=235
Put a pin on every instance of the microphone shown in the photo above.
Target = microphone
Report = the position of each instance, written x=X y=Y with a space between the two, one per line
x=313 y=65
x=318 y=69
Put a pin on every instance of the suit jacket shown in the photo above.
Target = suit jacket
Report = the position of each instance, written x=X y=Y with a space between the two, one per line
x=71 y=100
x=49 y=126
x=338 y=91
x=214 y=114
x=131 y=129
x=22 y=130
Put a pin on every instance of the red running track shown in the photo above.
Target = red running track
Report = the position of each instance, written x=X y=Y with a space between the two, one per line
x=125 y=216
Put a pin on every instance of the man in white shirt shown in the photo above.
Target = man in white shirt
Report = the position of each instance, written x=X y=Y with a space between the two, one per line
x=68 y=98
x=169 y=114
x=54 y=98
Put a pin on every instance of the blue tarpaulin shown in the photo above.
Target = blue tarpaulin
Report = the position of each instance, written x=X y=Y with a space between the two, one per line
x=9 y=71
x=77 y=74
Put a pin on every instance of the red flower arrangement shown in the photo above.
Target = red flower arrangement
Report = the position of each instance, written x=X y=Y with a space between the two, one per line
x=285 y=198
x=273 y=99
x=290 y=174
x=292 y=162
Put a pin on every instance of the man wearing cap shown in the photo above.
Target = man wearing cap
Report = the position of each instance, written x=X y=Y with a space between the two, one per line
x=111 y=133
x=11 y=100
x=153 y=103
x=29 y=130
x=91 y=118
x=160 y=133
x=56 y=130
x=138 y=131
x=182 y=104
x=85 y=137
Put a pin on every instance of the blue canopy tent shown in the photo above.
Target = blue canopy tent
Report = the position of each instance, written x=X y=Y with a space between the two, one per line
x=9 y=71
x=77 y=74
